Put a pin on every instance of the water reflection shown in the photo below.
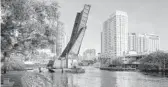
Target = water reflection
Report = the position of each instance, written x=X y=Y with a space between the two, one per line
x=132 y=79
x=156 y=74
x=99 y=78
x=108 y=79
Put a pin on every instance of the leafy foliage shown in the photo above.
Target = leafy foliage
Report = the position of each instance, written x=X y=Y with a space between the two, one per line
x=12 y=64
x=156 y=60
x=117 y=61
x=27 y=25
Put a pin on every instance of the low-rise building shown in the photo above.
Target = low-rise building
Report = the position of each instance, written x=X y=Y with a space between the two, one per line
x=89 y=54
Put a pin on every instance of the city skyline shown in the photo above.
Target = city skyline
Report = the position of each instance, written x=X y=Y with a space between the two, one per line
x=144 y=17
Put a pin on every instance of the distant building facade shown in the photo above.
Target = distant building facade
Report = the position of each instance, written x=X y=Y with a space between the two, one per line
x=143 y=43
x=89 y=54
x=153 y=43
x=114 y=37
x=60 y=38
x=132 y=42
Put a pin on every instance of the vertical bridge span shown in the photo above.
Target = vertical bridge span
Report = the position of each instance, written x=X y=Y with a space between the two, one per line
x=78 y=32
x=73 y=47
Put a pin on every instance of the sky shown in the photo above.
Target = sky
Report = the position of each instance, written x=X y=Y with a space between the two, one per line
x=144 y=16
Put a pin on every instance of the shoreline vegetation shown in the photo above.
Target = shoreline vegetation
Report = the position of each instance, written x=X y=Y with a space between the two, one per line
x=18 y=73
x=156 y=62
x=153 y=62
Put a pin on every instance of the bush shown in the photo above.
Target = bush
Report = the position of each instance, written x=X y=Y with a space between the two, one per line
x=154 y=61
x=11 y=64
x=117 y=62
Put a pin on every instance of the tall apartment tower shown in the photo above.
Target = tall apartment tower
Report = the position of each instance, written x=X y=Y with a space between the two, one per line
x=132 y=42
x=143 y=43
x=102 y=43
x=60 y=38
x=115 y=35
x=153 y=43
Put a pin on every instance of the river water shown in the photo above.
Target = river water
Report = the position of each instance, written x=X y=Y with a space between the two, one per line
x=94 y=77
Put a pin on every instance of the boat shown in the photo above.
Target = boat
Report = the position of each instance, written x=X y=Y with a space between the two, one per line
x=51 y=70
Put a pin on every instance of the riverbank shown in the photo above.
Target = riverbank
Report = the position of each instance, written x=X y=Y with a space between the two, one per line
x=132 y=69
x=93 y=77
x=27 y=79
x=35 y=66
x=118 y=69
x=34 y=78
x=155 y=73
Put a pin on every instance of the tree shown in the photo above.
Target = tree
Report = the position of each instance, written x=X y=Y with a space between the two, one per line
x=32 y=21
x=27 y=25
x=155 y=60
x=117 y=61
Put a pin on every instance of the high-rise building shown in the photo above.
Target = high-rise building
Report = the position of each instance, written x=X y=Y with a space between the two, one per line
x=102 y=45
x=60 y=38
x=89 y=54
x=143 y=43
x=132 y=42
x=153 y=43
x=115 y=35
